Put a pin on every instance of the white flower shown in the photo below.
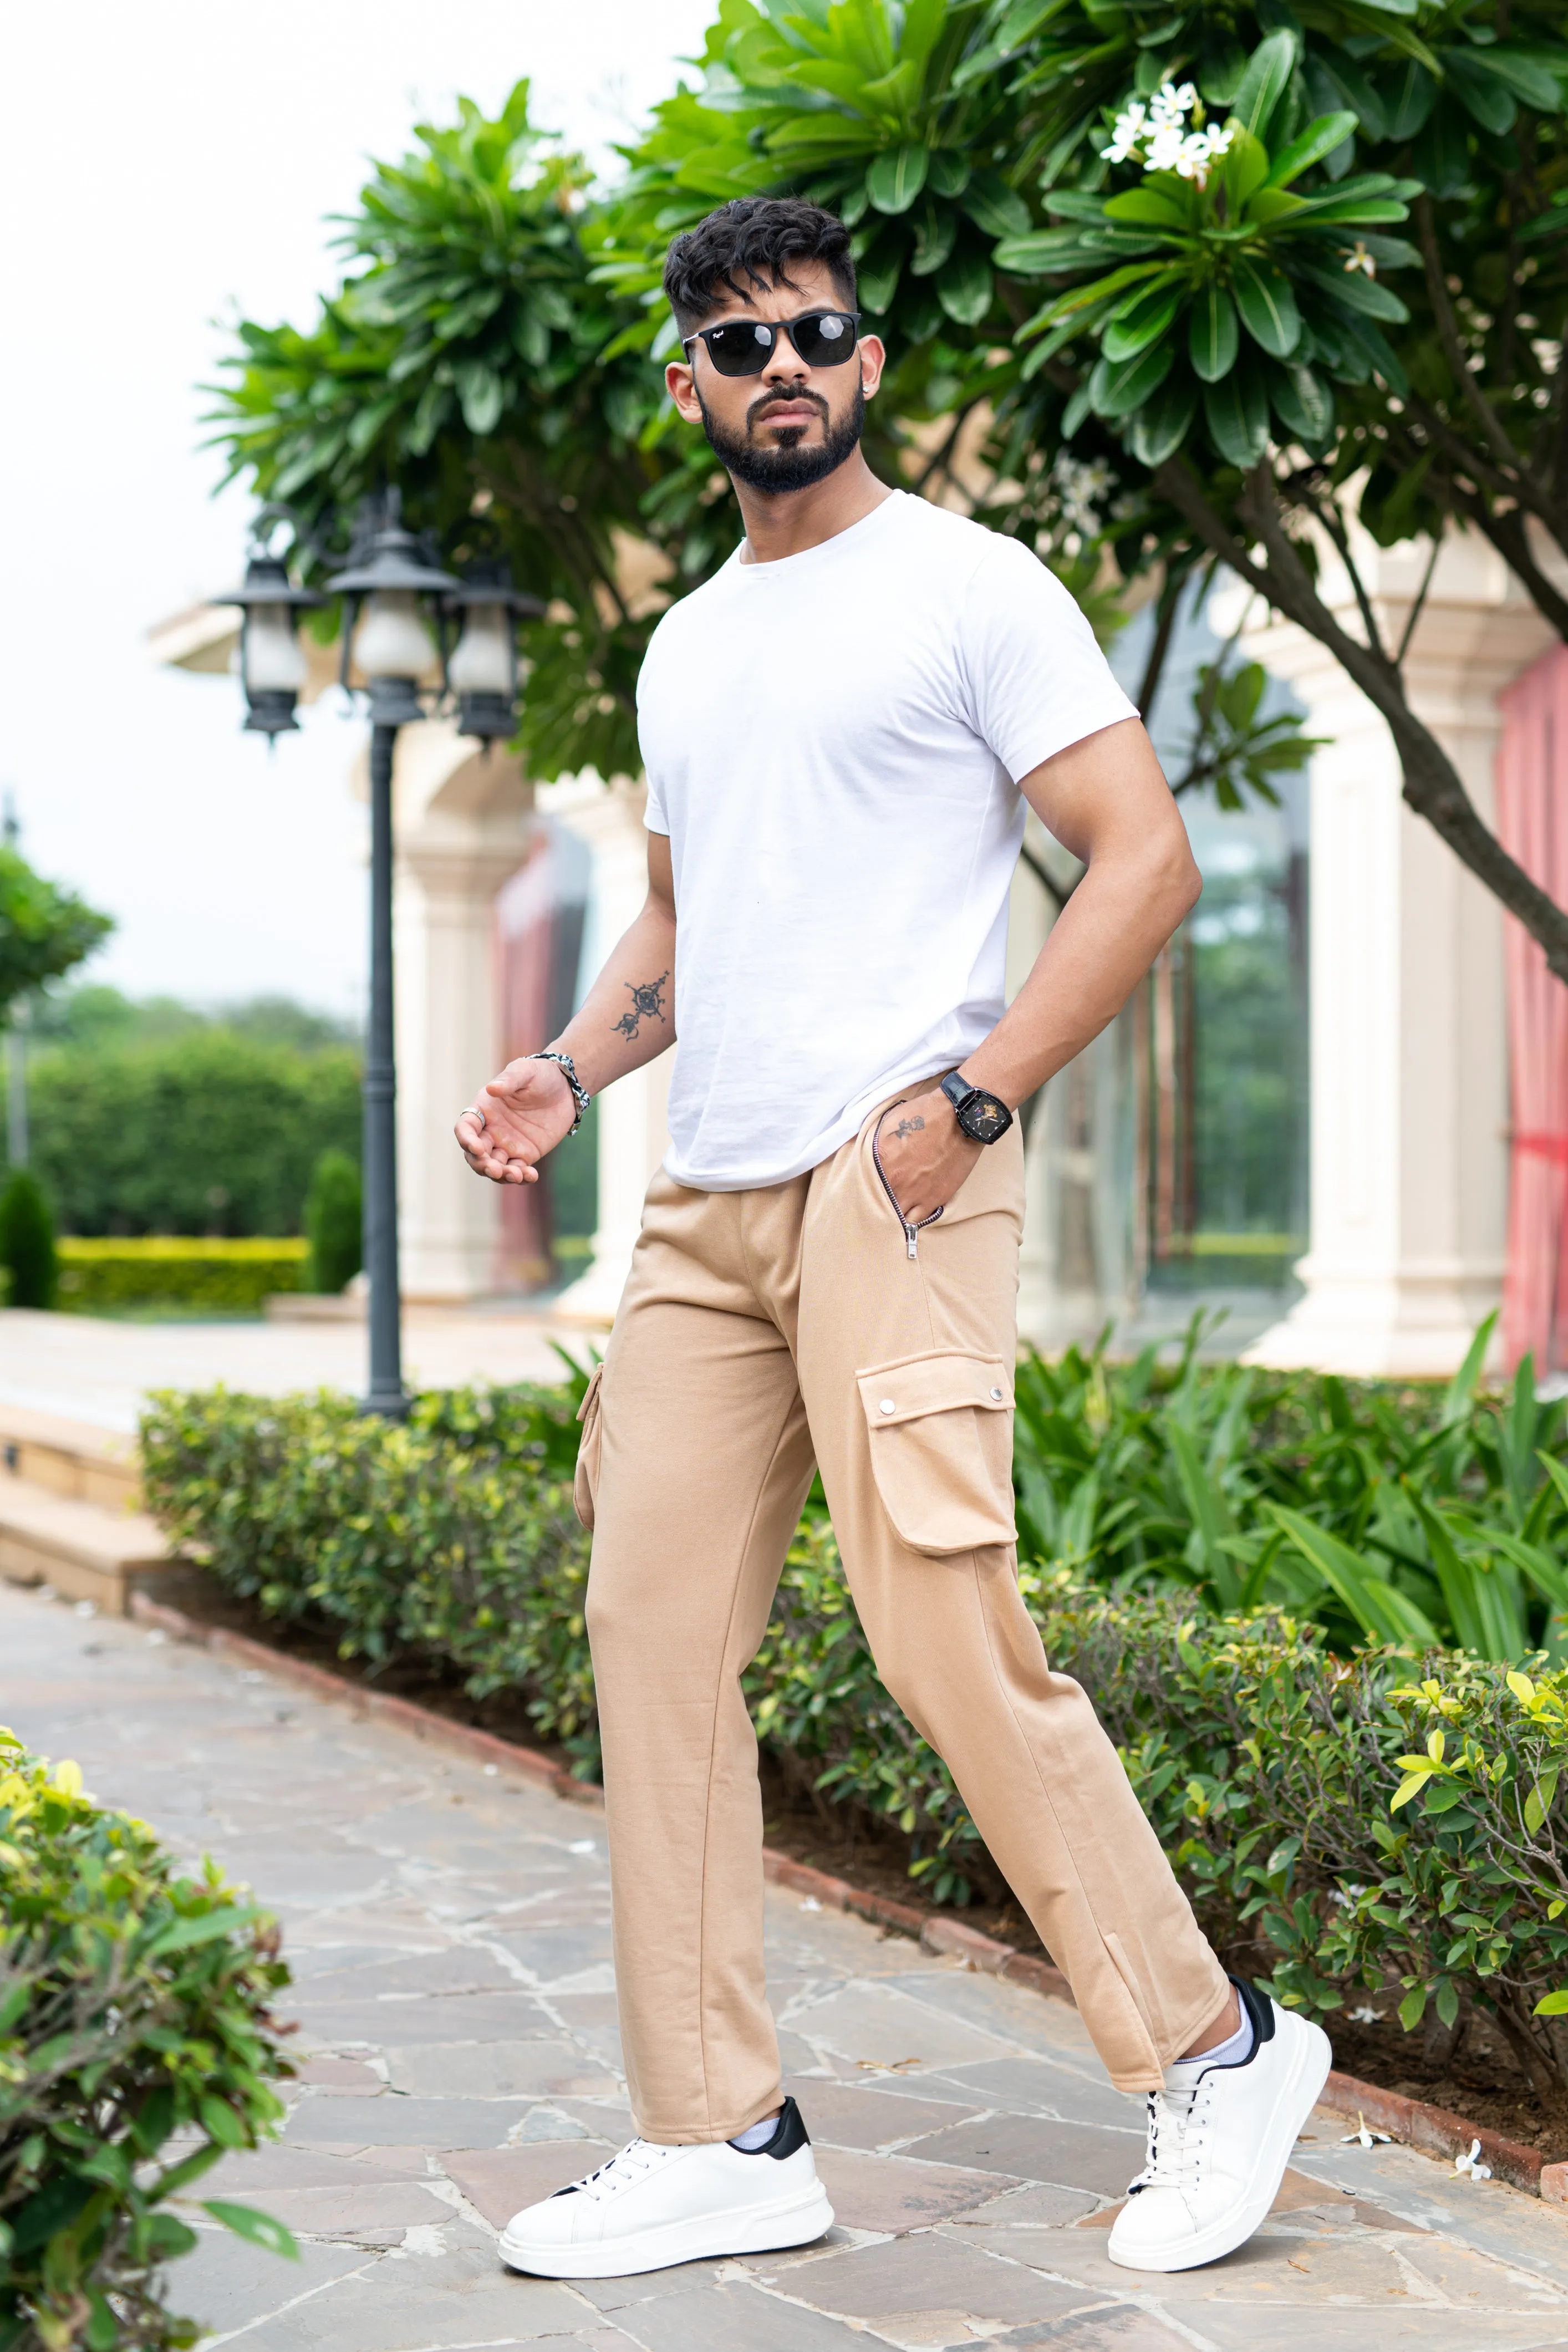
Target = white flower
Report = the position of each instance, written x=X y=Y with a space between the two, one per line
x=1361 y=260
x=1463 y=2164
x=1364 y=2136
x=1079 y=483
x=1367 y=2015
x=1125 y=133
x=1171 y=105
x=1156 y=135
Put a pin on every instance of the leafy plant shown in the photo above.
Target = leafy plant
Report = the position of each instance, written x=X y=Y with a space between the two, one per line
x=44 y=931
x=1269 y=1763
x=206 y=1133
x=334 y=1221
x=27 y=1241
x=136 y=2048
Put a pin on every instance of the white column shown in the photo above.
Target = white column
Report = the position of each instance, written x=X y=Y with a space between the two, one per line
x=633 y=1131
x=1409 y=1066
x=463 y=822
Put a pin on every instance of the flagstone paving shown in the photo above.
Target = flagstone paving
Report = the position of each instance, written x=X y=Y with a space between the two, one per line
x=448 y=1931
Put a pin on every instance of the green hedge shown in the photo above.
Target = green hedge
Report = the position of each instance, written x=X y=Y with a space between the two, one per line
x=227 y=1277
x=1269 y=1765
x=136 y=2047
x=188 y=1134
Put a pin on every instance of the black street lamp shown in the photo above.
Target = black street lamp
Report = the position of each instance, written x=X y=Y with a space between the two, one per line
x=391 y=579
x=387 y=577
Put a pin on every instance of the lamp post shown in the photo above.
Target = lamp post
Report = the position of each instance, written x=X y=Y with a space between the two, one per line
x=389 y=577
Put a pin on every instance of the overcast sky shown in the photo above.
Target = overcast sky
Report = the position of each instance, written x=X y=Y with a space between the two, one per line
x=164 y=168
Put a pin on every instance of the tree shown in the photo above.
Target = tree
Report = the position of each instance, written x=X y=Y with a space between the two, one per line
x=44 y=931
x=334 y=1221
x=1209 y=195
x=27 y=1242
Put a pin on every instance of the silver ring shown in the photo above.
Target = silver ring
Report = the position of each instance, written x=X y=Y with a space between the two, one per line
x=474 y=1111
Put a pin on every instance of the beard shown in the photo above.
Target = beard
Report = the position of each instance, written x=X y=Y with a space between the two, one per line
x=789 y=465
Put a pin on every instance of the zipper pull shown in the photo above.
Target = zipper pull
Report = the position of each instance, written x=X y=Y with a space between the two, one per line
x=912 y=1235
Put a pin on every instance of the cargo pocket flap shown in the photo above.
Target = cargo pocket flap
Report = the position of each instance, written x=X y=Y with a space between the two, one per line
x=940 y=1428
x=921 y=1384
x=584 y=1484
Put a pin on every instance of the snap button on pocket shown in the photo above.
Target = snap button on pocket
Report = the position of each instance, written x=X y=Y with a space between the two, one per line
x=941 y=1451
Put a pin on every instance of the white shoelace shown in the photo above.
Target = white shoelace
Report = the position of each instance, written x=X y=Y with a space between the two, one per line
x=1178 y=2139
x=621 y=2170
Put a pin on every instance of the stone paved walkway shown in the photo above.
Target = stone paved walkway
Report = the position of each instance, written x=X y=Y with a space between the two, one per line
x=448 y=1930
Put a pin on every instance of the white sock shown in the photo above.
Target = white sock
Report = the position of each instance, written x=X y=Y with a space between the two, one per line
x=756 y=2135
x=1233 y=2052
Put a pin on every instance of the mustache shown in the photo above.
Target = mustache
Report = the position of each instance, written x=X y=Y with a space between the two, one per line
x=757 y=412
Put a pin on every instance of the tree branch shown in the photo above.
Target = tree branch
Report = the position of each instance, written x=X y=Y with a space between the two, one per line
x=1448 y=335
x=1165 y=627
x=1432 y=785
x=1414 y=612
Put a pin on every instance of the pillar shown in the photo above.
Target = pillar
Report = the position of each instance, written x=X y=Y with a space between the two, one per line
x=462 y=822
x=634 y=1132
x=1409 y=1075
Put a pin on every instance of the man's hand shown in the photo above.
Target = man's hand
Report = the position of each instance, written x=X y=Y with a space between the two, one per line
x=526 y=1111
x=925 y=1154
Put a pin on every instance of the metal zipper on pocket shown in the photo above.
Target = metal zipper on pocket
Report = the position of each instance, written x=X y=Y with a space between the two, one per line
x=911 y=1233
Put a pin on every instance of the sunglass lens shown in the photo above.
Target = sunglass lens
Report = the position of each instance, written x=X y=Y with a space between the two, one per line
x=826 y=340
x=743 y=349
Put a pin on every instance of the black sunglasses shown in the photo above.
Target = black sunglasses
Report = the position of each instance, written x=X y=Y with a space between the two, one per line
x=744 y=346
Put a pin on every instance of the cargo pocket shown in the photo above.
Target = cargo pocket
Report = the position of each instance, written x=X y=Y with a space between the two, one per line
x=941 y=1432
x=585 y=1483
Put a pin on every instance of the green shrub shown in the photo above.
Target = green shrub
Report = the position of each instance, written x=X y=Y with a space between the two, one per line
x=1269 y=1765
x=136 y=2047
x=221 y=1278
x=208 y=1132
x=334 y=1223
x=27 y=1241
x=1408 y=1513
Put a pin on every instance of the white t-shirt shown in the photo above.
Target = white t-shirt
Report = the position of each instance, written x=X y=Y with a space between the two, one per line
x=831 y=743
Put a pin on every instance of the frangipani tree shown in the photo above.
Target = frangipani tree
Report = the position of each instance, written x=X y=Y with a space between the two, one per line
x=1232 y=334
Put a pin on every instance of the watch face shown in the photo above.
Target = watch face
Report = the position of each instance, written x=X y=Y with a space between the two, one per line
x=984 y=1118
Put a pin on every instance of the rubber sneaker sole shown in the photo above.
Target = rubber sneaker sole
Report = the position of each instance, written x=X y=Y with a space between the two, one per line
x=748 y=2230
x=1298 y=2096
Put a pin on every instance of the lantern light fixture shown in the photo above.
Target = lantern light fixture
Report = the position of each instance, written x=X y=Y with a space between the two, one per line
x=271 y=662
x=383 y=636
x=483 y=671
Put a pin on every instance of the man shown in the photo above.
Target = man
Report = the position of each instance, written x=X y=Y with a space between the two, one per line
x=840 y=732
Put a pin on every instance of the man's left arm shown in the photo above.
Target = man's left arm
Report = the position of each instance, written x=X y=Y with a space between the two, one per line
x=1106 y=800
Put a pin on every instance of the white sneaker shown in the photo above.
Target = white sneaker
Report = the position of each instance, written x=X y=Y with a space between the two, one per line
x=651 y=2206
x=1219 y=2140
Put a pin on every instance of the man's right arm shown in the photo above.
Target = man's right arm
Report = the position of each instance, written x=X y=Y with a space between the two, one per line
x=627 y=1019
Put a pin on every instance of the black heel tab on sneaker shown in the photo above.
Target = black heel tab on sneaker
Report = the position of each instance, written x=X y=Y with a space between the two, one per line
x=789 y=2133
x=1259 y=2009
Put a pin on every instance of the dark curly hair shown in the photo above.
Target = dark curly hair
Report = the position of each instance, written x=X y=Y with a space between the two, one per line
x=750 y=241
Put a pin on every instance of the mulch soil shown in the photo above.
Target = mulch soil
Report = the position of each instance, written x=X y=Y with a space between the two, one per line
x=1475 y=2078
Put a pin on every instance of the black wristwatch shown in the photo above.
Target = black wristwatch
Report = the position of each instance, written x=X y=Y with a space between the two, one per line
x=983 y=1118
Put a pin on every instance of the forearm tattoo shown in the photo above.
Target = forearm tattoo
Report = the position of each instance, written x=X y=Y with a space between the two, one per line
x=648 y=1004
x=909 y=1126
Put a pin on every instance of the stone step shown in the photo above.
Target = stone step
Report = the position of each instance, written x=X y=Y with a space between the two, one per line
x=79 y=1459
x=85 y=1551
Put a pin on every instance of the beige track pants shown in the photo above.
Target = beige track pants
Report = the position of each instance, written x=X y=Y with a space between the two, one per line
x=761 y=1332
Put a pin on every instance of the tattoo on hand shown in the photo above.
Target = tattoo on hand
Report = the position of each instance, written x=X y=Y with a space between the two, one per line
x=909 y=1126
x=647 y=1002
